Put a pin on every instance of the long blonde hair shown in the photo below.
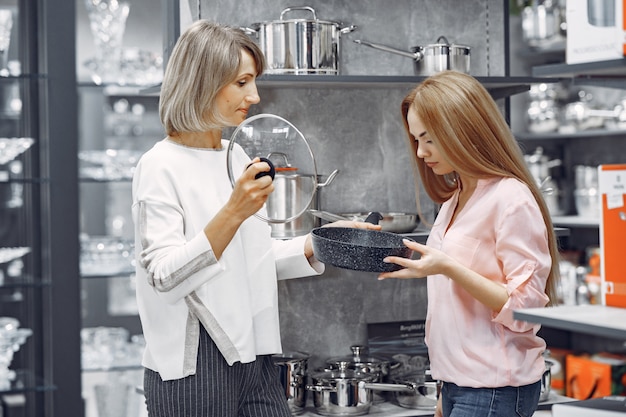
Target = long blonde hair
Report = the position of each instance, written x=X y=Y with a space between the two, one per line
x=205 y=58
x=473 y=136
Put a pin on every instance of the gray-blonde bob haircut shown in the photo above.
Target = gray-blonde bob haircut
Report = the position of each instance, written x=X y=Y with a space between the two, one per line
x=205 y=59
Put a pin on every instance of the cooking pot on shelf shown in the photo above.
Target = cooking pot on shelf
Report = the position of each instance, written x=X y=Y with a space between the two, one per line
x=300 y=46
x=362 y=361
x=292 y=371
x=341 y=392
x=432 y=58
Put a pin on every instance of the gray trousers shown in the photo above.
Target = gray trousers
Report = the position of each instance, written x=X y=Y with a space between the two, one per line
x=218 y=390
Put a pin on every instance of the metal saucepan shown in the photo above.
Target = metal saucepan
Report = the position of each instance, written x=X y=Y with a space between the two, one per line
x=300 y=46
x=341 y=393
x=432 y=58
x=396 y=222
x=358 y=249
x=362 y=361
x=292 y=371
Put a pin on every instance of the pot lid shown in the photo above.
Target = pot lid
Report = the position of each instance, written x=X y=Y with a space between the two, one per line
x=275 y=138
x=343 y=375
x=360 y=356
x=287 y=357
x=286 y=10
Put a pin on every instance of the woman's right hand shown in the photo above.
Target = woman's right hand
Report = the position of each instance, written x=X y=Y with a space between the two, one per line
x=250 y=193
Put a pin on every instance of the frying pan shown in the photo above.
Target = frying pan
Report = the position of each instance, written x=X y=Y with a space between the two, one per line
x=358 y=249
x=396 y=222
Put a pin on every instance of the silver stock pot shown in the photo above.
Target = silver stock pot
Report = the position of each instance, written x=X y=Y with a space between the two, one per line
x=300 y=46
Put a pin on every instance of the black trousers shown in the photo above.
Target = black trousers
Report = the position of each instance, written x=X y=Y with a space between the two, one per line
x=218 y=390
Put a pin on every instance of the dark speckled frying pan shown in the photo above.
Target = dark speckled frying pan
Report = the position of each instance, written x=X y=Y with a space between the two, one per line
x=358 y=249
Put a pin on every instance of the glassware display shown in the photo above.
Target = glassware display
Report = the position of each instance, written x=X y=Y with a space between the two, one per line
x=106 y=255
x=109 y=164
x=6 y=24
x=11 y=339
x=10 y=148
x=108 y=22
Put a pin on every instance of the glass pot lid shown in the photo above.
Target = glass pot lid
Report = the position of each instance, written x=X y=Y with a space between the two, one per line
x=275 y=138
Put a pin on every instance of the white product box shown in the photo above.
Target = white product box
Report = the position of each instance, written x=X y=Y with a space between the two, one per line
x=595 y=30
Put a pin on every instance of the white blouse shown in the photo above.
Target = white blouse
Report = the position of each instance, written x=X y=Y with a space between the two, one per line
x=180 y=283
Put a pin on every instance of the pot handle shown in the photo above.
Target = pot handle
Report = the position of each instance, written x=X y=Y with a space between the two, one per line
x=415 y=55
x=249 y=31
x=321 y=388
x=348 y=29
x=444 y=39
x=376 y=386
x=290 y=9
x=330 y=179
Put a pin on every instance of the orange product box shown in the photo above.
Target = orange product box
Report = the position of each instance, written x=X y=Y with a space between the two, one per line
x=594 y=376
x=612 y=181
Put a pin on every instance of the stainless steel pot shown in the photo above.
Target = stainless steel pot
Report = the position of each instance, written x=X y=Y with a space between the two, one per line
x=432 y=58
x=292 y=371
x=291 y=189
x=362 y=361
x=546 y=382
x=300 y=46
x=341 y=393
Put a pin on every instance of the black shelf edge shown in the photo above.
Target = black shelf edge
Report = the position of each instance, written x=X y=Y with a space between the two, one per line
x=104 y=181
x=26 y=381
x=28 y=283
x=499 y=86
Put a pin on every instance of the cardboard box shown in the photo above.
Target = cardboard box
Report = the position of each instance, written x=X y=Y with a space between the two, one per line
x=612 y=182
x=595 y=30
x=594 y=376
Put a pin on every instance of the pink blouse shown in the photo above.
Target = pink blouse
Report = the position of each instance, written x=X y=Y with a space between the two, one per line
x=500 y=234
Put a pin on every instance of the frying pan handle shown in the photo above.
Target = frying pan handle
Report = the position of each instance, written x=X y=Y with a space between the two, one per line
x=374 y=217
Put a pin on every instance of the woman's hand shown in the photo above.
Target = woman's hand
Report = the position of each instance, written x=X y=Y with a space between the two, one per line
x=250 y=193
x=430 y=262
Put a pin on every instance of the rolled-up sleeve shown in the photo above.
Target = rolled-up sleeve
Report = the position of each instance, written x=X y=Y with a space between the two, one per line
x=522 y=248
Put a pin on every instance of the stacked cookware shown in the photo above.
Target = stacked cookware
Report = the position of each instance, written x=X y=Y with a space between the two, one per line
x=350 y=385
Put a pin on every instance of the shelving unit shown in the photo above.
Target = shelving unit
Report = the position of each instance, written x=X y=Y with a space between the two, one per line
x=602 y=73
x=39 y=211
x=595 y=320
x=500 y=87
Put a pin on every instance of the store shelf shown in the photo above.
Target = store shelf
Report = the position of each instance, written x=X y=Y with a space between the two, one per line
x=582 y=134
x=602 y=73
x=576 y=221
x=499 y=87
x=25 y=381
x=595 y=320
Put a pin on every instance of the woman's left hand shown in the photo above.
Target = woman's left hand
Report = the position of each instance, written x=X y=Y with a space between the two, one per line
x=308 y=245
x=430 y=262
